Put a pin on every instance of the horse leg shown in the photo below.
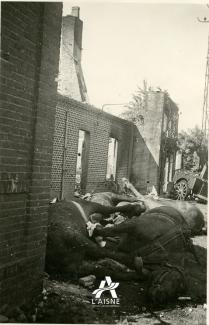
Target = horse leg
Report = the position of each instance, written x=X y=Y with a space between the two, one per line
x=149 y=202
x=98 y=253
x=127 y=227
x=132 y=189
x=116 y=198
x=106 y=211
x=104 y=267
x=131 y=259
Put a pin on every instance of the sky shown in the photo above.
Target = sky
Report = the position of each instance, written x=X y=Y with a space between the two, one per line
x=126 y=43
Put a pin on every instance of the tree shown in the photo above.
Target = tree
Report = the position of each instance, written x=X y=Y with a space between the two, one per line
x=194 y=147
x=136 y=107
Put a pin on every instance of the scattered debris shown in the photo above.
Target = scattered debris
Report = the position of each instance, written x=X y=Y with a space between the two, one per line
x=124 y=321
x=189 y=310
x=87 y=281
x=54 y=200
x=154 y=193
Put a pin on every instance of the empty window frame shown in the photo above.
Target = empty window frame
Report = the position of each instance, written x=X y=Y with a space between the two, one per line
x=82 y=161
x=171 y=168
x=112 y=159
x=166 y=173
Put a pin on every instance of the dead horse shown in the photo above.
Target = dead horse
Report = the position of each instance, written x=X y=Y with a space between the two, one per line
x=68 y=243
x=160 y=236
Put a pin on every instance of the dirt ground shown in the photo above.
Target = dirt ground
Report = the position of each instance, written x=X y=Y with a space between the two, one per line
x=68 y=302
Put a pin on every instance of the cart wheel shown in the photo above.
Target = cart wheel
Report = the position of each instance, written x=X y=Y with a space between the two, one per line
x=181 y=190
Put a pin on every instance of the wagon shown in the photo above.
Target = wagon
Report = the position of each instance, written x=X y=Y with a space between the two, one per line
x=188 y=183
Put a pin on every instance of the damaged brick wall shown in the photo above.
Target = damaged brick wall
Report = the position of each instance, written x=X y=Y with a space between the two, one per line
x=168 y=143
x=100 y=126
x=71 y=81
x=149 y=151
x=146 y=155
x=29 y=66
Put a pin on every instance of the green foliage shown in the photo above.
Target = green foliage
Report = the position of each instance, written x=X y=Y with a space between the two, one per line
x=194 y=147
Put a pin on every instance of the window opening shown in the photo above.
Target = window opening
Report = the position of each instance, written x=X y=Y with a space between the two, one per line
x=82 y=161
x=112 y=159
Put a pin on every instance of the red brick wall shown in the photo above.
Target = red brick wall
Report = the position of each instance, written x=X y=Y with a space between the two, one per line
x=29 y=66
x=100 y=125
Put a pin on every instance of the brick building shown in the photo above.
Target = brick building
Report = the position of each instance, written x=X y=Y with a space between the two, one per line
x=75 y=120
x=145 y=154
x=30 y=39
x=72 y=116
x=45 y=134
x=154 y=149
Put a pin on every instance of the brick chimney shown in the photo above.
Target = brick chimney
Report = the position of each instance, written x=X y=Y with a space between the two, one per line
x=71 y=81
x=75 y=12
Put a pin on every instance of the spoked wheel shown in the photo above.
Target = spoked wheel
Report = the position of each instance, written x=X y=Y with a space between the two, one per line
x=181 y=190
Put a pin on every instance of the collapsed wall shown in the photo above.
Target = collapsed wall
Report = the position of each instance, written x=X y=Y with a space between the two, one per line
x=154 y=149
x=72 y=116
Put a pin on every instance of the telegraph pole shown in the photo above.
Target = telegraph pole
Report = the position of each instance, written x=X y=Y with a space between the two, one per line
x=205 y=109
